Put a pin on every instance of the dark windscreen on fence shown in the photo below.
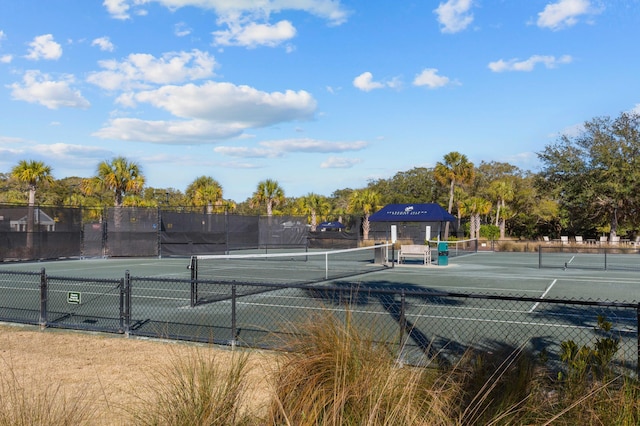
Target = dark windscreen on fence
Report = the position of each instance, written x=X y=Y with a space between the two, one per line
x=39 y=232
x=132 y=231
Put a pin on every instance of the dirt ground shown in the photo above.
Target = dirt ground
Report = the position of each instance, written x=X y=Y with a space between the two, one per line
x=113 y=371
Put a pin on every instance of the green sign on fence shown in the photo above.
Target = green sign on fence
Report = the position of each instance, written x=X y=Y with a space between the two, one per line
x=74 y=297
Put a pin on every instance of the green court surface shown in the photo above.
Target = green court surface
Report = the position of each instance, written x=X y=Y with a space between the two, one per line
x=483 y=299
x=494 y=273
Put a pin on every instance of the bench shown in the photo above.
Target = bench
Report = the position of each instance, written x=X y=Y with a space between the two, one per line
x=415 y=251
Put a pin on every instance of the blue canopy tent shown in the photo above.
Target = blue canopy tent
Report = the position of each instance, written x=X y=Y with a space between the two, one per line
x=414 y=221
x=323 y=226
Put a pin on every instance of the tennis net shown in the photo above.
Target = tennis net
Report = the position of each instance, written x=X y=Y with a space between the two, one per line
x=212 y=276
x=459 y=247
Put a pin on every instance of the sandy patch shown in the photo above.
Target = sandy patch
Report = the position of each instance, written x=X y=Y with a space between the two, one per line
x=113 y=371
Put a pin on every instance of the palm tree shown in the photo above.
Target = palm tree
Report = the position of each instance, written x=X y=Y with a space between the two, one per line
x=502 y=191
x=314 y=205
x=456 y=169
x=364 y=202
x=475 y=207
x=118 y=176
x=204 y=191
x=268 y=193
x=33 y=173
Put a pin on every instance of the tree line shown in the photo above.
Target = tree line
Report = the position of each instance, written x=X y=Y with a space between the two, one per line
x=588 y=184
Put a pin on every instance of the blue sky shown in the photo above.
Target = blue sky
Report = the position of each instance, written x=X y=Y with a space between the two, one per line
x=317 y=94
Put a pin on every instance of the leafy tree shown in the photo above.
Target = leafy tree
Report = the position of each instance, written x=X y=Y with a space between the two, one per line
x=268 y=193
x=595 y=176
x=10 y=189
x=204 y=191
x=340 y=202
x=417 y=185
x=456 y=169
x=33 y=173
x=364 y=202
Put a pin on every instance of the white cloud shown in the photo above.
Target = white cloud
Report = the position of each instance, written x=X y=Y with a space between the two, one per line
x=69 y=151
x=6 y=59
x=139 y=70
x=636 y=109
x=339 y=163
x=40 y=88
x=3 y=36
x=429 y=77
x=253 y=34
x=276 y=149
x=226 y=102
x=330 y=10
x=313 y=145
x=529 y=64
x=563 y=13
x=181 y=29
x=454 y=15
x=118 y=9
x=188 y=132
x=44 y=47
x=247 y=152
x=103 y=43
x=365 y=82
x=211 y=112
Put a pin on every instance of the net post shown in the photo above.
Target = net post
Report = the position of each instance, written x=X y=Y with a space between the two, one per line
x=326 y=266
x=393 y=255
x=539 y=256
x=44 y=293
x=194 y=280
x=605 y=259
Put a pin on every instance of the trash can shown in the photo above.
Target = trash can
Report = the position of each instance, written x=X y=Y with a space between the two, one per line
x=378 y=254
x=443 y=254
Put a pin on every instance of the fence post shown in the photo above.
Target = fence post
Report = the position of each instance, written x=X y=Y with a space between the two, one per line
x=233 y=316
x=638 y=334
x=403 y=323
x=194 y=280
x=125 y=303
x=44 y=294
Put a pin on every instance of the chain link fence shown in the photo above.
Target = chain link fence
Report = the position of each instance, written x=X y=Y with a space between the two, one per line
x=420 y=325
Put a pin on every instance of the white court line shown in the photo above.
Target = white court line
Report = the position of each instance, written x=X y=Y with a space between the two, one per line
x=533 y=308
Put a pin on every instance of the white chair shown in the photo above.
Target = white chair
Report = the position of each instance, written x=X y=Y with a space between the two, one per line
x=615 y=240
x=546 y=239
x=579 y=239
x=564 y=239
x=603 y=240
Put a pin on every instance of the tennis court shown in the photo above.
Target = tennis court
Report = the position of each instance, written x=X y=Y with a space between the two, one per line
x=488 y=300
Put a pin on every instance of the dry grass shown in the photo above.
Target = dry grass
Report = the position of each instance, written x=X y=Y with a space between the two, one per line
x=333 y=375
